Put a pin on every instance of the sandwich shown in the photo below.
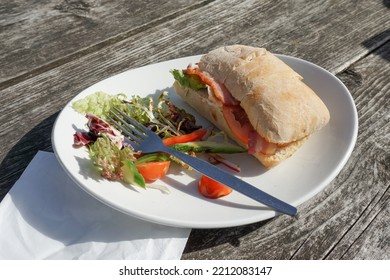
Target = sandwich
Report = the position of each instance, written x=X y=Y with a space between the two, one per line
x=255 y=98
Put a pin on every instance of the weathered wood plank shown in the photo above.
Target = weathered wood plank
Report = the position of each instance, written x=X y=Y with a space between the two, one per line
x=39 y=35
x=73 y=28
x=371 y=162
x=350 y=218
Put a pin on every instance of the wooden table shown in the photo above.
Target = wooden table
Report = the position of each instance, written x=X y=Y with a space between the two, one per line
x=51 y=50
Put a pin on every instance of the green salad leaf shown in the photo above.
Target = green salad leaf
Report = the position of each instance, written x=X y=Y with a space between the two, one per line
x=114 y=163
x=99 y=103
x=188 y=80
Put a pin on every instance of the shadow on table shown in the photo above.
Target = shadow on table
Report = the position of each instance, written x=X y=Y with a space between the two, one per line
x=201 y=239
x=20 y=155
x=375 y=43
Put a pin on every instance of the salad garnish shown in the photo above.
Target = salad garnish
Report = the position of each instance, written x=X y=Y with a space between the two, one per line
x=116 y=159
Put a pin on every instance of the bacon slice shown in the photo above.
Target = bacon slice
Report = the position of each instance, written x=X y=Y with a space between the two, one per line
x=219 y=89
x=257 y=144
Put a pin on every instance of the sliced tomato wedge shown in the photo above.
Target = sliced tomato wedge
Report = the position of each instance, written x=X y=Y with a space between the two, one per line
x=193 y=136
x=212 y=189
x=153 y=170
x=238 y=122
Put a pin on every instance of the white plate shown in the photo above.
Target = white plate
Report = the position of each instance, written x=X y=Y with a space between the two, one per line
x=295 y=180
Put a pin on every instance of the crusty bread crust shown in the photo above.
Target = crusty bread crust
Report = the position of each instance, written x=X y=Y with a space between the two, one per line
x=279 y=105
x=212 y=111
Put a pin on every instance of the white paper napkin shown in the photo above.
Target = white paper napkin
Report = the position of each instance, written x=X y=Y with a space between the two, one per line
x=46 y=216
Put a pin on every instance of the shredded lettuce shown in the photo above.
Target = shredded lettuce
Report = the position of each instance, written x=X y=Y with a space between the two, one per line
x=114 y=163
x=160 y=114
x=141 y=109
x=188 y=80
x=99 y=103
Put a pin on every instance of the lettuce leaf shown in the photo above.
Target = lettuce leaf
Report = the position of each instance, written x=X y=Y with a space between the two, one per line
x=141 y=109
x=188 y=80
x=99 y=103
x=114 y=163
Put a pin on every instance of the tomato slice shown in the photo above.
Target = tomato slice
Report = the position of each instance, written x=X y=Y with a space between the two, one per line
x=238 y=122
x=193 y=136
x=211 y=188
x=153 y=170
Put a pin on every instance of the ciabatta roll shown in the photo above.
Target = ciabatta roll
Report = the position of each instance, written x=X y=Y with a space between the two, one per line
x=257 y=99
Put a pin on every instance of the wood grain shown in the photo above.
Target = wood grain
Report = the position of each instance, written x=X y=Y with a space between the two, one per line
x=71 y=28
x=92 y=40
x=50 y=33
